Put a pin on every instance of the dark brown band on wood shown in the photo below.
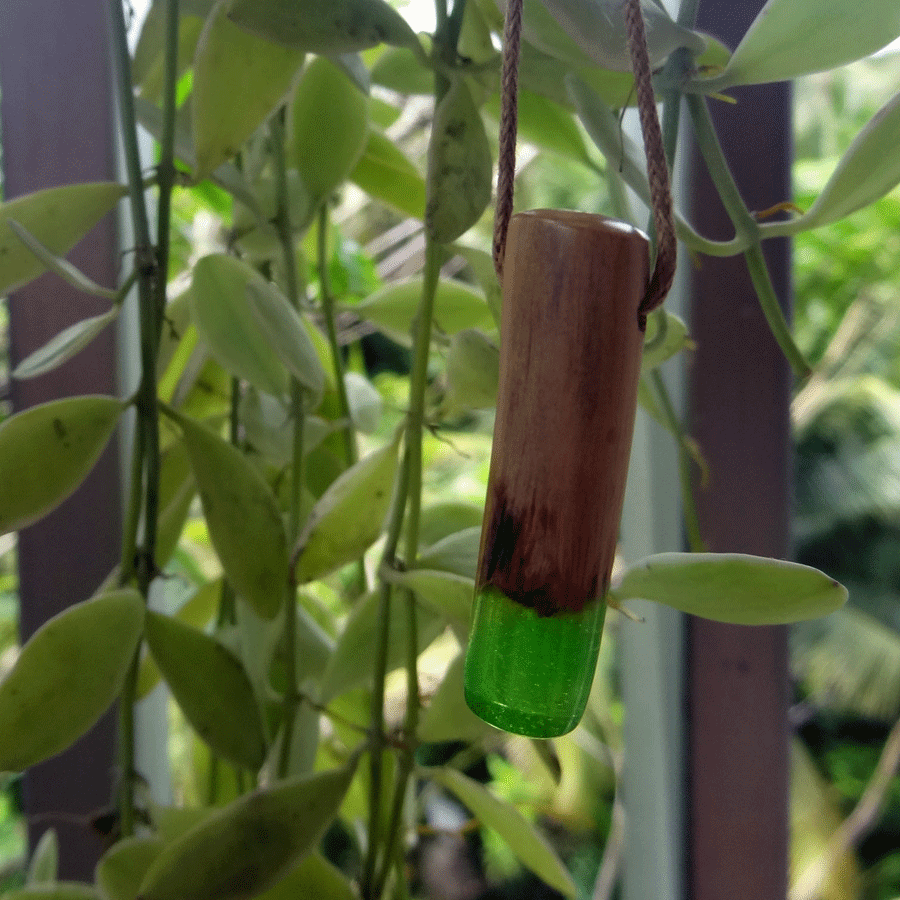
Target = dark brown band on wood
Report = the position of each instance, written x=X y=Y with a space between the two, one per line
x=569 y=366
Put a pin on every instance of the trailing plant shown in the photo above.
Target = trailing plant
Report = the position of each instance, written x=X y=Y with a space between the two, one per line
x=329 y=572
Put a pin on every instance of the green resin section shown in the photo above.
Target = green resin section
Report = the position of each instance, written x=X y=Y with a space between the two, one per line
x=530 y=674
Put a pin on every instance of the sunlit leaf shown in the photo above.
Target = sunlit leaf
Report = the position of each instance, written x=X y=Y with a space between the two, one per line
x=460 y=168
x=211 y=687
x=66 y=676
x=238 y=81
x=386 y=174
x=44 y=860
x=249 y=845
x=348 y=518
x=529 y=847
x=473 y=370
x=795 y=37
x=328 y=125
x=47 y=451
x=666 y=335
x=225 y=321
x=57 y=217
x=325 y=26
x=64 y=346
x=394 y=308
x=122 y=868
x=243 y=518
x=447 y=716
x=731 y=587
x=868 y=170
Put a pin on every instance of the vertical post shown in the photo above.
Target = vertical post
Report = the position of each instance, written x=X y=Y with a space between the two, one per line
x=57 y=129
x=739 y=407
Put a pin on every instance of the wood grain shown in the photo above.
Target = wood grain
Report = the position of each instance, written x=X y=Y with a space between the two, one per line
x=569 y=366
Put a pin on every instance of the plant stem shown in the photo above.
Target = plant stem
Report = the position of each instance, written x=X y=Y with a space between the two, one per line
x=150 y=267
x=298 y=473
x=745 y=226
x=327 y=298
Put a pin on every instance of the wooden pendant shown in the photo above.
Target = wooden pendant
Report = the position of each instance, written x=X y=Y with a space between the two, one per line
x=569 y=367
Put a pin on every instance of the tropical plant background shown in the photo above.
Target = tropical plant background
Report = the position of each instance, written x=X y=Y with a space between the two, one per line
x=847 y=418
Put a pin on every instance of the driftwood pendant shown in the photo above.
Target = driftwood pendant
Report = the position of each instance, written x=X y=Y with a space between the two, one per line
x=570 y=359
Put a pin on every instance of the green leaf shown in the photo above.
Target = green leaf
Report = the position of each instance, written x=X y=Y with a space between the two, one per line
x=385 y=173
x=598 y=29
x=732 y=587
x=445 y=517
x=447 y=716
x=482 y=265
x=547 y=125
x=460 y=168
x=239 y=79
x=789 y=38
x=393 y=308
x=225 y=320
x=400 y=69
x=59 y=890
x=365 y=402
x=529 y=847
x=314 y=879
x=248 y=846
x=243 y=518
x=270 y=431
x=58 y=218
x=122 y=868
x=666 y=335
x=47 y=451
x=347 y=519
x=64 y=346
x=448 y=593
x=868 y=170
x=45 y=860
x=176 y=494
x=325 y=26
x=328 y=125
x=352 y=663
x=473 y=370
x=66 y=676
x=211 y=687
x=281 y=324
x=456 y=553
x=61 y=266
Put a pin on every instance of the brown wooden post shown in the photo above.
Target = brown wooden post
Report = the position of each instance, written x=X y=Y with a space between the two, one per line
x=739 y=408
x=57 y=128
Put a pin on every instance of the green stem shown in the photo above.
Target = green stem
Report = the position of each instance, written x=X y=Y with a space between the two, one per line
x=298 y=474
x=350 y=453
x=151 y=286
x=745 y=226
x=689 y=506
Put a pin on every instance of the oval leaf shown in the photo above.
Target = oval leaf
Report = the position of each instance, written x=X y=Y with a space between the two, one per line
x=328 y=125
x=447 y=593
x=45 y=860
x=460 y=168
x=58 y=218
x=456 y=307
x=351 y=664
x=456 y=553
x=281 y=324
x=243 y=518
x=868 y=170
x=122 y=869
x=732 y=587
x=228 y=326
x=66 y=676
x=795 y=37
x=64 y=346
x=239 y=79
x=325 y=26
x=448 y=717
x=364 y=401
x=211 y=687
x=47 y=451
x=385 y=173
x=248 y=846
x=473 y=370
x=314 y=879
x=529 y=847
x=347 y=519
